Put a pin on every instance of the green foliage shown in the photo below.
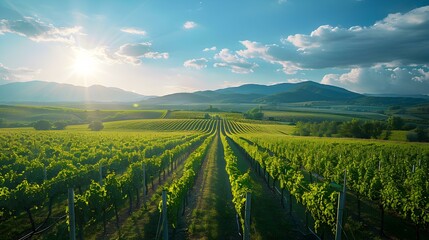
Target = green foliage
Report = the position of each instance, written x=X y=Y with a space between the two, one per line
x=240 y=183
x=395 y=123
x=42 y=125
x=60 y=125
x=418 y=135
x=254 y=113
x=394 y=175
x=321 y=204
x=96 y=126
x=72 y=159
x=354 y=129
x=179 y=187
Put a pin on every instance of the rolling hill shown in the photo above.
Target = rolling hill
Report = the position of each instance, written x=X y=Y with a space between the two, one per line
x=282 y=93
x=254 y=93
x=39 y=91
x=50 y=92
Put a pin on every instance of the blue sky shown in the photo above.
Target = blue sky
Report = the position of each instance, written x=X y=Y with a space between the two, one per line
x=159 y=47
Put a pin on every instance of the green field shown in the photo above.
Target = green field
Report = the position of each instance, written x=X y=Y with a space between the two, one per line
x=25 y=115
x=288 y=176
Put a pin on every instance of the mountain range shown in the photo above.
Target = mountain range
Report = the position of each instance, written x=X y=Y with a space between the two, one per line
x=283 y=93
x=39 y=91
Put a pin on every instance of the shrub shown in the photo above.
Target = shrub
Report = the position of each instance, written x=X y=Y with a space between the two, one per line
x=60 y=125
x=42 y=125
x=96 y=126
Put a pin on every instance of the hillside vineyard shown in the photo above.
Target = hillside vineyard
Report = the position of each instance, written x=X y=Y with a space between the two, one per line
x=118 y=178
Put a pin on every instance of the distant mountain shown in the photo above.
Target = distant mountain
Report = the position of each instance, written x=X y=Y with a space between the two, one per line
x=39 y=91
x=397 y=96
x=257 y=89
x=3 y=82
x=254 y=93
x=310 y=91
x=180 y=98
x=282 y=93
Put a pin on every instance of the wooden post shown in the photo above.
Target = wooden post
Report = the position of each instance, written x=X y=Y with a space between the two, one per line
x=164 y=215
x=246 y=234
x=340 y=210
x=71 y=214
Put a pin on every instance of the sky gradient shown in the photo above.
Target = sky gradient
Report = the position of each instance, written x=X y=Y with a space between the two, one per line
x=159 y=47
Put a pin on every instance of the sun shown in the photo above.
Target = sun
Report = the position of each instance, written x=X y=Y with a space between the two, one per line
x=85 y=64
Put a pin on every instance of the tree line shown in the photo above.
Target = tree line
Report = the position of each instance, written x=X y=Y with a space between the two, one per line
x=61 y=125
x=361 y=129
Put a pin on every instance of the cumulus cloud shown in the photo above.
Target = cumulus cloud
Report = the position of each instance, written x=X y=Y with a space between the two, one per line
x=257 y=50
x=209 y=49
x=399 y=39
x=389 y=56
x=401 y=80
x=189 y=25
x=134 y=52
x=234 y=62
x=196 y=63
x=135 y=31
x=17 y=74
x=296 y=80
x=39 y=31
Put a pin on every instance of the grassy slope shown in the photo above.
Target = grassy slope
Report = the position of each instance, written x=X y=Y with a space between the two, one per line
x=29 y=114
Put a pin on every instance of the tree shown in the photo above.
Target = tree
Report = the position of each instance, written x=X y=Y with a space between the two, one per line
x=96 y=126
x=395 y=123
x=255 y=113
x=42 y=125
x=418 y=135
x=60 y=125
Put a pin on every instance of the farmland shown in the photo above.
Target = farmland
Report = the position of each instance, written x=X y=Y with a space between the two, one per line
x=207 y=166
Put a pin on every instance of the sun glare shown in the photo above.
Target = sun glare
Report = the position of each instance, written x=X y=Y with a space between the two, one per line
x=85 y=64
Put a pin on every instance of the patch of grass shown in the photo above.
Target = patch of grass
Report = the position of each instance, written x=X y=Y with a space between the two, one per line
x=398 y=135
x=13 y=115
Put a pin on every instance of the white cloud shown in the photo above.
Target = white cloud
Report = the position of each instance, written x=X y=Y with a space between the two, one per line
x=257 y=50
x=38 y=31
x=210 y=49
x=17 y=74
x=189 y=25
x=389 y=56
x=296 y=80
x=156 y=55
x=134 y=52
x=401 y=80
x=397 y=40
x=135 y=31
x=234 y=62
x=400 y=38
x=196 y=63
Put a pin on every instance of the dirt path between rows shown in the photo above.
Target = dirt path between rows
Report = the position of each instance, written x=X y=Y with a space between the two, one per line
x=210 y=213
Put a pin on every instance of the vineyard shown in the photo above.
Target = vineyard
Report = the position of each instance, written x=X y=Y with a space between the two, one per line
x=206 y=168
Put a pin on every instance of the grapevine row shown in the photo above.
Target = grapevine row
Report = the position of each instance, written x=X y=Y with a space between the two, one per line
x=318 y=198
x=240 y=182
x=180 y=187
x=394 y=175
